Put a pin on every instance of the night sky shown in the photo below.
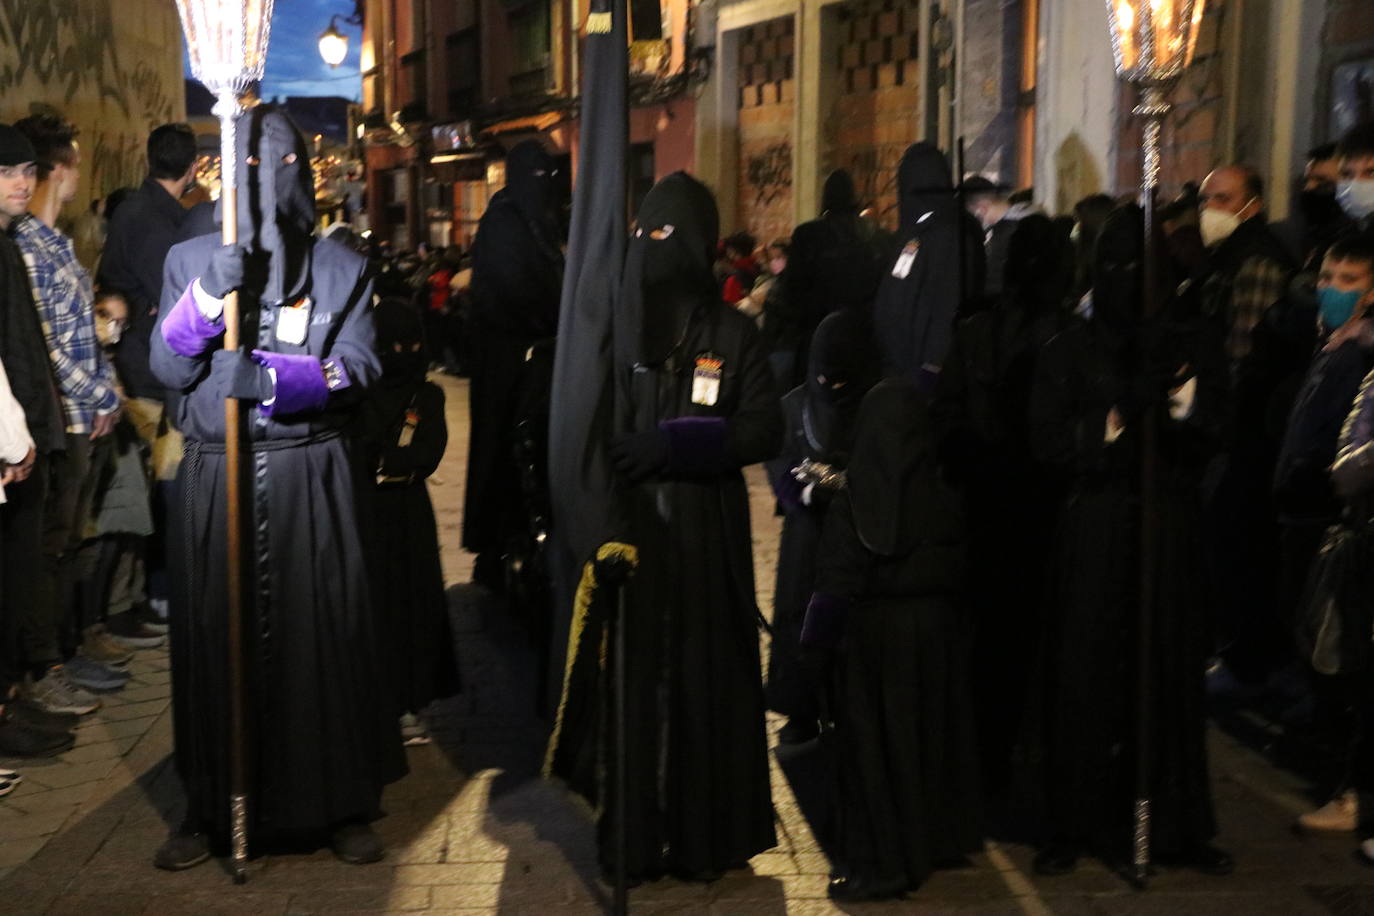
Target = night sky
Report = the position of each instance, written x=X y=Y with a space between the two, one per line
x=294 y=66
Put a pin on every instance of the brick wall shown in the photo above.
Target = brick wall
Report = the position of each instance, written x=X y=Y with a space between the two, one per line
x=767 y=93
x=876 y=113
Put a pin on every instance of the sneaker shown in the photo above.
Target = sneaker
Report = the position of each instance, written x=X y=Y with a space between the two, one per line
x=90 y=674
x=99 y=647
x=9 y=781
x=138 y=638
x=17 y=740
x=413 y=730
x=186 y=848
x=55 y=693
x=30 y=716
x=1340 y=815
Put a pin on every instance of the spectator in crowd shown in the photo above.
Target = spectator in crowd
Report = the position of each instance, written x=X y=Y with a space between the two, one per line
x=744 y=270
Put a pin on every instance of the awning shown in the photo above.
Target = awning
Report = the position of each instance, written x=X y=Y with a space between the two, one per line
x=532 y=122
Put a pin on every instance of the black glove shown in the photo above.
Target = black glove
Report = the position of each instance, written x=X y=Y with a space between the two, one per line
x=244 y=378
x=640 y=456
x=225 y=271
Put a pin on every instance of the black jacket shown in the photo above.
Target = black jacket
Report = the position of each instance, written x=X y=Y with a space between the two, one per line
x=24 y=353
x=144 y=228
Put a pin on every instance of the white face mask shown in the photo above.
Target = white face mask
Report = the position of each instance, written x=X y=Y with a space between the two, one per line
x=1356 y=197
x=1217 y=226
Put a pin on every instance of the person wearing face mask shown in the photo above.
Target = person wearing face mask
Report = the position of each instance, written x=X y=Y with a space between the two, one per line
x=1319 y=220
x=401 y=433
x=517 y=275
x=1094 y=383
x=698 y=405
x=1355 y=184
x=306 y=359
x=1243 y=287
x=819 y=436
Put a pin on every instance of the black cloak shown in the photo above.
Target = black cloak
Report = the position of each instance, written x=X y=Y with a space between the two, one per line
x=833 y=263
x=819 y=417
x=1118 y=360
x=402 y=434
x=893 y=545
x=980 y=410
x=517 y=277
x=697 y=766
x=925 y=284
x=310 y=637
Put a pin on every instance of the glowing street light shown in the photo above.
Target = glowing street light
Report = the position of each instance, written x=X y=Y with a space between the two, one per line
x=333 y=44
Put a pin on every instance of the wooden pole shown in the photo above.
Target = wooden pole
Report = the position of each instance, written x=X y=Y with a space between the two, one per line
x=228 y=109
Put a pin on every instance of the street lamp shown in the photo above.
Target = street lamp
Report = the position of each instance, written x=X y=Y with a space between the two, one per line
x=333 y=44
x=227 y=44
x=1153 y=42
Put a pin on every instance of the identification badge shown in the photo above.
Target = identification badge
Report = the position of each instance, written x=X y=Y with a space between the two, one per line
x=293 y=321
x=706 y=380
x=407 y=435
x=902 y=268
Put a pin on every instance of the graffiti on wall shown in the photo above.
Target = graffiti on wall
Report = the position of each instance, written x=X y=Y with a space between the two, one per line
x=113 y=77
x=874 y=170
x=768 y=172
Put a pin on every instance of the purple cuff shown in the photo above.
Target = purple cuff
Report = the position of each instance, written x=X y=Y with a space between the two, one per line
x=186 y=330
x=299 y=383
x=696 y=445
x=789 y=493
x=824 y=623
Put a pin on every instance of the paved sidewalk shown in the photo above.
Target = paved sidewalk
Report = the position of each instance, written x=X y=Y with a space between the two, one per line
x=473 y=830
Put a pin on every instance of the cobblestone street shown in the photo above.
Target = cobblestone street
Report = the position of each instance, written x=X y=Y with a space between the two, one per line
x=473 y=829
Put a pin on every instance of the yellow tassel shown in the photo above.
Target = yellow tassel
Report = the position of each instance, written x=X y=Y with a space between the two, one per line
x=599 y=24
x=582 y=603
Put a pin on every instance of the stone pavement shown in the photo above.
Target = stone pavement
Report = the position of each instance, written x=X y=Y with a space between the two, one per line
x=473 y=830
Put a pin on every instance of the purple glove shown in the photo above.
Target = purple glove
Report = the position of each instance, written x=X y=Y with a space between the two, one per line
x=789 y=493
x=186 y=330
x=696 y=445
x=824 y=622
x=300 y=383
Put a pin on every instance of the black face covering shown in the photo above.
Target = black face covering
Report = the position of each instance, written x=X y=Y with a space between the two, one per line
x=668 y=267
x=1039 y=267
x=1118 y=287
x=839 y=374
x=530 y=184
x=400 y=342
x=1319 y=208
x=838 y=195
x=276 y=203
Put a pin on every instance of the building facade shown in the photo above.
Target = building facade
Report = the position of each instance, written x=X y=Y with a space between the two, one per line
x=450 y=85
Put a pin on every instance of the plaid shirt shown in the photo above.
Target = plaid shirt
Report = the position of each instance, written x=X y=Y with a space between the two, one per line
x=66 y=305
x=1259 y=284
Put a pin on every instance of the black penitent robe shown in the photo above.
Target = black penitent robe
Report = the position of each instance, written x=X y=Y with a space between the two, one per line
x=403 y=538
x=1089 y=661
x=894 y=546
x=517 y=274
x=697 y=761
x=323 y=739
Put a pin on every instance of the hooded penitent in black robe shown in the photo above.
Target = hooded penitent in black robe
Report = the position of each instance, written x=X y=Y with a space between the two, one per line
x=517 y=277
x=980 y=414
x=697 y=761
x=819 y=417
x=924 y=285
x=402 y=434
x=323 y=740
x=891 y=565
x=1114 y=360
x=833 y=263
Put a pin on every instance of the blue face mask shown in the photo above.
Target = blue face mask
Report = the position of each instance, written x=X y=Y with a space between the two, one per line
x=1337 y=306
